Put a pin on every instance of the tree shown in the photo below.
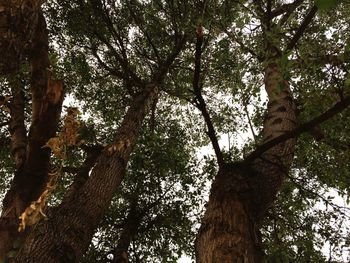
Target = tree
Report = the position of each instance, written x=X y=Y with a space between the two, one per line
x=242 y=191
x=31 y=161
x=153 y=77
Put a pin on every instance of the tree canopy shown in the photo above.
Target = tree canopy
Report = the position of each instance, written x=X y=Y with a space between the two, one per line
x=120 y=118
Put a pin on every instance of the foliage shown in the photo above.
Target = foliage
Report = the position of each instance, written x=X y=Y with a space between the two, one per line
x=166 y=180
x=164 y=185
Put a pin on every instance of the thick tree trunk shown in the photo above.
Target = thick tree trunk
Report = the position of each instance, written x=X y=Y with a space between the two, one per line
x=18 y=21
x=242 y=192
x=67 y=233
x=229 y=231
x=16 y=127
x=32 y=161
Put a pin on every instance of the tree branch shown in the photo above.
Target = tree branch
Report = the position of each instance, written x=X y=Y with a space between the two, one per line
x=244 y=47
x=131 y=225
x=286 y=8
x=47 y=97
x=82 y=173
x=82 y=210
x=249 y=121
x=337 y=108
x=128 y=72
x=259 y=5
x=110 y=70
x=139 y=24
x=290 y=10
x=179 y=42
x=103 y=12
x=334 y=60
x=298 y=34
x=200 y=103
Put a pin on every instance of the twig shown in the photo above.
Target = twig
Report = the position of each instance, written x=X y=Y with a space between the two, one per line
x=250 y=122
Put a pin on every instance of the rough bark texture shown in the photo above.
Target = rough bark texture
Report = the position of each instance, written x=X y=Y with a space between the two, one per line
x=242 y=192
x=66 y=235
x=228 y=232
x=18 y=21
x=31 y=173
x=16 y=127
x=274 y=164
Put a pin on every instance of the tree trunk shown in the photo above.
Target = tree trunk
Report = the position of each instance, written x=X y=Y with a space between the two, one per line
x=67 y=233
x=242 y=192
x=18 y=21
x=16 y=127
x=229 y=231
x=65 y=236
x=32 y=161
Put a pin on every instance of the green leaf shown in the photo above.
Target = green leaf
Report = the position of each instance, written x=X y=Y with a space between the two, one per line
x=347 y=82
x=326 y=4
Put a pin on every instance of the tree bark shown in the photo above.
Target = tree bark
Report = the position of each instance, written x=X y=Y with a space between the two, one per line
x=242 y=192
x=228 y=232
x=67 y=233
x=18 y=21
x=65 y=236
x=31 y=173
x=16 y=127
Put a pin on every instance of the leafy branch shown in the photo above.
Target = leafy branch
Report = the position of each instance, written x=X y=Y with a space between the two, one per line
x=306 y=127
x=300 y=31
